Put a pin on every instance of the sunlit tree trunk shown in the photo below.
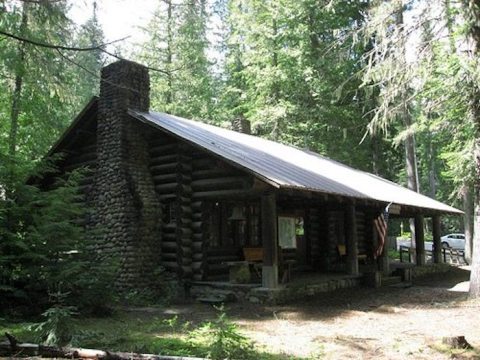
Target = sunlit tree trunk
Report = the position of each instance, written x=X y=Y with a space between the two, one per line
x=406 y=118
x=467 y=198
x=472 y=8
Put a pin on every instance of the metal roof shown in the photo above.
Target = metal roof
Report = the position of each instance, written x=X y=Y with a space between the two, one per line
x=288 y=167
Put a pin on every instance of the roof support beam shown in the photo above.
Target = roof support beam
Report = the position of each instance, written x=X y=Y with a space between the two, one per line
x=351 y=239
x=419 y=240
x=437 y=241
x=269 y=240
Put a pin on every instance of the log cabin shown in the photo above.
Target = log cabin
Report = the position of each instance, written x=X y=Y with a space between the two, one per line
x=204 y=202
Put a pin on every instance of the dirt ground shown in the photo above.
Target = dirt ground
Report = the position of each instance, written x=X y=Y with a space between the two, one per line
x=385 y=323
x=364 y=323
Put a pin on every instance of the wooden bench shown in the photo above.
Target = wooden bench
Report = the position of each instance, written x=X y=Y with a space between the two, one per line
x=342 y=252
x=254 y=256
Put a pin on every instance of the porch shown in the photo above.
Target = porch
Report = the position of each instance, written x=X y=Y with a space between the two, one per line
x=299 y=236
x=302 y=285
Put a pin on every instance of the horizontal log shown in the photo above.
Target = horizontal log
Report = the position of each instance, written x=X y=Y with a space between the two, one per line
x=197 y=225
x=168 y=187
x=170 y=245
x=186 y=269
x=197 y=265
x=13 y=348
x=169 y=256
x=197 y=237
x=184 y=198
x=220 y=183
x=164 y=168
x=172 y=188
x=185 y=207
x=197 y=256
x=223 y=251
x=169 y=227
x=170 y=265
x=223 y=259
x=197 y=205
x=170 y=237
x=215 y=194
x=167 y=197
x=212 y=173
x=163 y=148
x=197 y=276
x=183 y=232
x=163 y=159
x=205 y=163
x=164 y=178
x=198 y=246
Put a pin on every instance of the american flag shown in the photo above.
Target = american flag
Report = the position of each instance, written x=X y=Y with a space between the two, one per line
x=381 y=224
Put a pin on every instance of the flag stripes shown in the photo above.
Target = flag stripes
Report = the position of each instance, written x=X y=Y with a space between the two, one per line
x=381 y=226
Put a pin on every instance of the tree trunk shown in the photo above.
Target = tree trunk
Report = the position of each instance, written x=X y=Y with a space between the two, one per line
x=475 y=272
x=472 y=12
x=375 y=141
x=409 y=143
x=169 y=60
x=467 y=198
x=17 y=90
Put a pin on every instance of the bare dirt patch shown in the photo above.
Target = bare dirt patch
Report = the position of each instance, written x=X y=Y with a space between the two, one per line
x=385 y=323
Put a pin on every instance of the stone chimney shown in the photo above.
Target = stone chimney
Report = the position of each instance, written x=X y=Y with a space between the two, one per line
x=127 y=211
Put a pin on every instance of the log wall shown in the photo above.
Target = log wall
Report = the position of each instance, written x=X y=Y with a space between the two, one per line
x=185 y=178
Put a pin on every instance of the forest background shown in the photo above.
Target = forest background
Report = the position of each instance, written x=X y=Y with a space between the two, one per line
x=389 y=87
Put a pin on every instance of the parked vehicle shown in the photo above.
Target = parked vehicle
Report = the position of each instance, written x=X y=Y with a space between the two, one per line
x=454 y=241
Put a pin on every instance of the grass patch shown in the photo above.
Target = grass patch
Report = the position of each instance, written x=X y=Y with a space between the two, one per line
x=142 y=332
x=456 y=353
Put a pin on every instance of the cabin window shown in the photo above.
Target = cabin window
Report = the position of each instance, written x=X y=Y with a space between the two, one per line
x=287 y=235
x=232 y=225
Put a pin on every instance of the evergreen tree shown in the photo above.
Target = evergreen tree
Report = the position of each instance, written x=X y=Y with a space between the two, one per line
x=178 y=44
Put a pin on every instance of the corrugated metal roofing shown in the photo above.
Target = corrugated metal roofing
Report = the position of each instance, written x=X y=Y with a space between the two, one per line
x=289 y=167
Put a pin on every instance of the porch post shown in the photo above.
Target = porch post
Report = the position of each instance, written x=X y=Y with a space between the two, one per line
x=419 y=240
x=351 y=240
x=269 y=240
x=437 y=242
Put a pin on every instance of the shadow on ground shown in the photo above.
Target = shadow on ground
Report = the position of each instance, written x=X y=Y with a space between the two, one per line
x=425 y=292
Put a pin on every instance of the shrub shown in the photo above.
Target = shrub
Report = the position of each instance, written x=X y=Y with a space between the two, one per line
x=222 y=339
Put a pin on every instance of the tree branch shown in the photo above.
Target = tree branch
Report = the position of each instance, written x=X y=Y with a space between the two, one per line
x=59 y=47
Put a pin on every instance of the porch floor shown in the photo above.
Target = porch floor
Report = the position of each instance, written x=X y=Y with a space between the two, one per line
x=302 y=284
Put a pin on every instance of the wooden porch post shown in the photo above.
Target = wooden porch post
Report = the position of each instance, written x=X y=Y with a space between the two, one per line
x=269 y=240
x=419 y=240
x=351 y=240
x=437 y=242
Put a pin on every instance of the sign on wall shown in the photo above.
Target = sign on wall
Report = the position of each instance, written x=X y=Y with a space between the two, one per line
x=286 y=232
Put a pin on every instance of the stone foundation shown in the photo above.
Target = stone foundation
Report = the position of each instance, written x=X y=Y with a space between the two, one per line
x=260 y=295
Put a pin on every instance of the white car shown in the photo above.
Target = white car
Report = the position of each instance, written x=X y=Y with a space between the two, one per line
x=454 y=241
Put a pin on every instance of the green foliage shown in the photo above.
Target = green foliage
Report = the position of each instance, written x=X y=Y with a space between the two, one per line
x=58 y=328
x=223 y=339
x=43 y=244
x=178 y=44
